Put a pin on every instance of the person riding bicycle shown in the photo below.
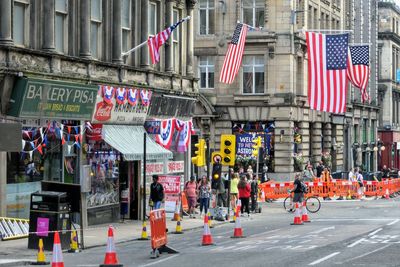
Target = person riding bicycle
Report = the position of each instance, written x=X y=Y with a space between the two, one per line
x=298 y=190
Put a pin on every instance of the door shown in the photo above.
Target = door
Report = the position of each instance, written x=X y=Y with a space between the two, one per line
x=134 y=190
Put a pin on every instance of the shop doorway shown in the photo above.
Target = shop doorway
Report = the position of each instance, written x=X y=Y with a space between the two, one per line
x=128 y=175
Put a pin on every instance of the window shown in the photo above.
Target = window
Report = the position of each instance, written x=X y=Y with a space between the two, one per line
x=126 y=24
x=95 y=26
x=60 y=25
x=207 y=17
x=253 y=75
x=153 y=19
x=206 y=69
x=175 y=43
x=364 y=131
x=372 y=129
x=253 y=12
x=20 y=25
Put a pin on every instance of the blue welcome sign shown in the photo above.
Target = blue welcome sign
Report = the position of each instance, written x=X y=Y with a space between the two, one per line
x=244 y=143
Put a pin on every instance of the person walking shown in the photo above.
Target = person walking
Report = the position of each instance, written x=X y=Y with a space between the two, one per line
x=244 y=194
x=326 y=179
x=204 y=195
x=360 y=180
x=234 y=190
x=191 y=193
x=385 y=172
x=254 y=193
x=156 y=193
x=298 y=191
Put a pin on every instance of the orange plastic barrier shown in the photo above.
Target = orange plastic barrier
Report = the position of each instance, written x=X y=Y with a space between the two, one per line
x=158 y=224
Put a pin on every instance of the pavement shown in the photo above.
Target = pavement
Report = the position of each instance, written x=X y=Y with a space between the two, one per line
x=350 y=233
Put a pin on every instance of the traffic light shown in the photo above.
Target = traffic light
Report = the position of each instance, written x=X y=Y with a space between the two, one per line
x=228 y=149
x=200 y=159
x=256 y=146
x=216 y=175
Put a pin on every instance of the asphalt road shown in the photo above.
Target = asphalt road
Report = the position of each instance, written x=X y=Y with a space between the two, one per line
x=358 y=233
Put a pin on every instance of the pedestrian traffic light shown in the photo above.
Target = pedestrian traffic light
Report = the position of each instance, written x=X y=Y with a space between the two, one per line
x=200 y=159
x=228 y=149
x=256 y=146
x=216 y=175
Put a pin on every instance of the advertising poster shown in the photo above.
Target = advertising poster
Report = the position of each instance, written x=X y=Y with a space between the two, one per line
x=172 y=189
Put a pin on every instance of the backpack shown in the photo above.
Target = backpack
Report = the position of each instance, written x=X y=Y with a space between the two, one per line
x=303 y=187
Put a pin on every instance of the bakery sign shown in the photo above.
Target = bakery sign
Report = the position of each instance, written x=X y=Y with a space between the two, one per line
x=121 y=105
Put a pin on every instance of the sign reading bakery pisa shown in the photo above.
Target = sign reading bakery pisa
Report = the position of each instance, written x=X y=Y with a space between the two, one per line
x=121 y=105
x=34 y=98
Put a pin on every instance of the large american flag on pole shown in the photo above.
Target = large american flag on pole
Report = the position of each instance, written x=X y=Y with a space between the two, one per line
x=233 y=58
x=155 y=42
x=358 y=70
x=327 y=64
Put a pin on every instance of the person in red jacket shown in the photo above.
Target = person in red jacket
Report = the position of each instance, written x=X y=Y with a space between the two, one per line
x=244 y=194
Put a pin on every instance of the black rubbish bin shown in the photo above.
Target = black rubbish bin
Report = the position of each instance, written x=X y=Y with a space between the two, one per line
x=49 y=211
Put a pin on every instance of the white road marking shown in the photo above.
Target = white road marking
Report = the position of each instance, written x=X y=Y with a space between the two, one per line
x=162 y=260
x=353 y=219
x=324 y=258
x=374 y=232
x=366 y=254
x=357 y=242
x=323 y=230
x=395 y=221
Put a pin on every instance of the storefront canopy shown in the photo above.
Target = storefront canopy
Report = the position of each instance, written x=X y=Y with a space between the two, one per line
x=128 y=140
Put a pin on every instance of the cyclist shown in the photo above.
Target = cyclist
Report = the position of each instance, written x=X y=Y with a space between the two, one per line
x=298 y=191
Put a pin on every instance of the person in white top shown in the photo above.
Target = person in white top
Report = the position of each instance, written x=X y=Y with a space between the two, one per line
x=351 y=176
x=360 y=180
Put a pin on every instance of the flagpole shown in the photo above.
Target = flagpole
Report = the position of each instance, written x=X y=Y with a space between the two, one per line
x=145 y=42
x=251 y=27
x=323 y=30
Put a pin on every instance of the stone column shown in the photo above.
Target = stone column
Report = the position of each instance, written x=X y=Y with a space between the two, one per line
x=316 y=142
x=327 y=134
x=284 y=149
x=304 y=147
x=3 y=183
x=169 y=67
x=85 y=29
x=5 y=22
x=339 y=157
x=189 y=35
x=48 y=33
x=117 y=32
x=144 y=33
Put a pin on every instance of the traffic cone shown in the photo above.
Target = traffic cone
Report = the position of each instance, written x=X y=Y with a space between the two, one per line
x=237 y=232
x=262 y=196
x=74 y=243
x=207 y=238
x=349 y=195
x=210 y=220
x=57 y=260
x=387 y=195
x=178 y=229
x=177 y=212
x=110 y=259
x=144 y=232
x=297 y=219
x=304 y=214
x=41 y=258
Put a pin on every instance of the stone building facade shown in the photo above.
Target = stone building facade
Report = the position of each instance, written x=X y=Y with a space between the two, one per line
x=275 y=97
x=82 y=42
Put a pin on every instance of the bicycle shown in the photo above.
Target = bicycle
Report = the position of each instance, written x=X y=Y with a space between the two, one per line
x=312 y=204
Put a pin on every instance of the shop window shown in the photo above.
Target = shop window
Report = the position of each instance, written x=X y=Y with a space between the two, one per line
x=207 y=17
x=206 y=72
x=20 y=26
x=253 y=75
x=253 y=12
x=61 y=33
x=95 y=27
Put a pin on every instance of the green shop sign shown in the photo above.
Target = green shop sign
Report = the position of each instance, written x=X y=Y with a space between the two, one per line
x=34 y=98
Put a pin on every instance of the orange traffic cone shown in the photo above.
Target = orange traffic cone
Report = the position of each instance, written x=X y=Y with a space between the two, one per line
x=387 y=195
x=111 y=255
x=176 y=213
x=57 y=260
x=207 y=238
x=304 y=214
x=237 y=232
x=262 y=196
x=297 y=219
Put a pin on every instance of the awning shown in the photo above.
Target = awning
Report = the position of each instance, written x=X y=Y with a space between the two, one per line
x=128 y=140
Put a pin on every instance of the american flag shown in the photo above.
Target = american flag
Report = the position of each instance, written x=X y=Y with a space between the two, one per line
x=233 y=58
x=154 y=43
x=358 y=68
x=327 y=64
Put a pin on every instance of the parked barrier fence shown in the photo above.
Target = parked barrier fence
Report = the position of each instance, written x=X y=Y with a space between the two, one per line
x=158 y=225
x=339 y=188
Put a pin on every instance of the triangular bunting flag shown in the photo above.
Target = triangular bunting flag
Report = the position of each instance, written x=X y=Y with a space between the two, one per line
x=39 y=148
x=32 y=145
x=62 y=140
x=23 y=144
x=69 y=129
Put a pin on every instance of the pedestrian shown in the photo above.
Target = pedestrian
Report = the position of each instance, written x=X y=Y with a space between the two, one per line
x=298 y=190
x=385 y=172
x=191 y=193
x=234 y=190
x=204 y=195
x=326 y=179
x=244 y=194
x=360 y=181
x=156 y=193
x=308 y=174
x=319 y=168
x=254 y=193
